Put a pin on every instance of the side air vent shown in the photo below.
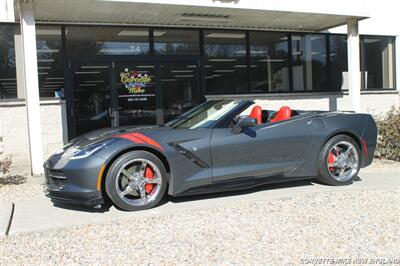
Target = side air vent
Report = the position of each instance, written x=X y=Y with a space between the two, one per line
x=193 y=158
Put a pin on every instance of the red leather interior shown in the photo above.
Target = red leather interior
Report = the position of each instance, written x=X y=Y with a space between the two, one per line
x=256 y=113
x=284 y=113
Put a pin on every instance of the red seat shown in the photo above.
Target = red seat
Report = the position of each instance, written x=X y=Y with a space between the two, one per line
x=256 y=113
x=284 y=113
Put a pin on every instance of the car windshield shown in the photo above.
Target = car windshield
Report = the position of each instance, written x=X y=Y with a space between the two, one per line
x=204 y=115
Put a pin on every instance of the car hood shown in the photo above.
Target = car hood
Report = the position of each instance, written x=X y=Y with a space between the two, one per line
x=107 y=133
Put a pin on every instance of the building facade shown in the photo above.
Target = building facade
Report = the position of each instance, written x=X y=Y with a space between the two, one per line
x=69 y=67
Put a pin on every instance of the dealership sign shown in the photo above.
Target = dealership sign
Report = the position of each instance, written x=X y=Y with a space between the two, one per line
x=134 y=81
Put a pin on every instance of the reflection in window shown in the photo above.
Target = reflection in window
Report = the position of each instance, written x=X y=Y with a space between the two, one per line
x=178 y=84
x=91 y=97
x=8 y=81
x=50 y=65
x=378 y=53
x=176 y=42
x=269 y=69
x=102 y=40
x=338 y=62
x=226 y=62
x=309 y=62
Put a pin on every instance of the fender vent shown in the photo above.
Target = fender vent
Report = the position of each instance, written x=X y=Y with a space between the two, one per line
x=192 y=157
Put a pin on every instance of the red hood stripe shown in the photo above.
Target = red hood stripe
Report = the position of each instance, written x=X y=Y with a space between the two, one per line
x=131 y=138
x=142 y=139
x=148 y=140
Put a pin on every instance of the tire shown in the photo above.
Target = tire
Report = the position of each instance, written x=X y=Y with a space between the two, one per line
x=332 y=161
x=126 y=181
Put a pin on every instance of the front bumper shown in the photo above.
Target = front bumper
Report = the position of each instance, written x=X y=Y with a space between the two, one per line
x=74 y=181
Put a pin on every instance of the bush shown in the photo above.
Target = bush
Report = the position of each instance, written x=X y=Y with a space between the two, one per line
x=388 y=146
x=5 y=165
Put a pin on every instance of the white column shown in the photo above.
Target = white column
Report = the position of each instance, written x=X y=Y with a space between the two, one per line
x=353 y=58
x=31 y=85
x=397 y=61
x=309 y=71
x=19 y=63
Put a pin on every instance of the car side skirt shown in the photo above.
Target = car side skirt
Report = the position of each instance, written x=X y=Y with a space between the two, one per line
x=240 y=184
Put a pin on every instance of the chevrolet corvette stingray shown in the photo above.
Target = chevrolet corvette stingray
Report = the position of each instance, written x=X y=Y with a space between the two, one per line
x=220 y=145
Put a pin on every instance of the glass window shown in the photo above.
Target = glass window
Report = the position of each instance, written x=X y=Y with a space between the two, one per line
x=378 y=67
x=176 y=42
x=100 y=40
x=338 y=62
x=225 y=67
x=269 y=69
x=92 y=96
x=204 y=115
x=50 y=65
x=309 y=62
x=8 y=80
x=179 y=88
x=136 y=86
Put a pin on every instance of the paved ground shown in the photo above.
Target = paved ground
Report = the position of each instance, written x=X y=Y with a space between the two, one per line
x=271 y=224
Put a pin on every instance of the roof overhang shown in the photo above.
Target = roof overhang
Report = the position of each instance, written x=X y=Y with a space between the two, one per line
x=285 y=15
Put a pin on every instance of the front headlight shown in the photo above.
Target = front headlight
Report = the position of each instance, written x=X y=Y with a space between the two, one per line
x=89 y=150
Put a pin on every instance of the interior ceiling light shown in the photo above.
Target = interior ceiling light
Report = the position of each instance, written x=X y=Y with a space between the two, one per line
x=205 y=17
x=223 y=70
x=181 y=71
x=87 y=72
x=94 y=81
x=222 y=60
x=54 y=82
x=90 y=67
x=145 y=66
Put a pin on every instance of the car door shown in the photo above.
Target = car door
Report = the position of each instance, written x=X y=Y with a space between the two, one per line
x=266 y=150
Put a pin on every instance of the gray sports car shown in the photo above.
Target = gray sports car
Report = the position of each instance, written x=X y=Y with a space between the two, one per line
x=217 y=146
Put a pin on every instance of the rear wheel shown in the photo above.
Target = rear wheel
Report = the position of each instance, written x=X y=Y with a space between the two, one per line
x=136 y=181
x=339 y=161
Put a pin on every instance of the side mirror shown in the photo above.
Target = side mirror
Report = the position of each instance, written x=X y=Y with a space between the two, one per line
x=243 y=124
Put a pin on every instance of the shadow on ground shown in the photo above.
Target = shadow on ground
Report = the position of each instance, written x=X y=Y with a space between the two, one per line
x=106 y=207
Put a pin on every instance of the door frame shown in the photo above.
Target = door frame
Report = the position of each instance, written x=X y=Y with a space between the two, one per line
x=112 y=60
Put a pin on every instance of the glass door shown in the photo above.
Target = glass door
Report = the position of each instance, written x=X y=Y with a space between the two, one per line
x=179 y=88
x=92 y=99
x=136 y=85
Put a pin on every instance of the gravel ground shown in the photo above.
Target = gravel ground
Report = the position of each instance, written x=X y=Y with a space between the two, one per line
x=341 y=225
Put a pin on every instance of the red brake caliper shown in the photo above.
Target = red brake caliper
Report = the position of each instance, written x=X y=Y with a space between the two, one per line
x=149 y=173
x=331 y=159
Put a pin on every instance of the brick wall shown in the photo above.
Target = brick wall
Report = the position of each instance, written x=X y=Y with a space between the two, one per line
x=14 y=131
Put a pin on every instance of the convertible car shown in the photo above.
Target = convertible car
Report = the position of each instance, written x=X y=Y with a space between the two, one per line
x=219 y=145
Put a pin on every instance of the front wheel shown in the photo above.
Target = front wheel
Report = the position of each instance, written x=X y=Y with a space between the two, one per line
x=136 y=181
x=339 y=161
